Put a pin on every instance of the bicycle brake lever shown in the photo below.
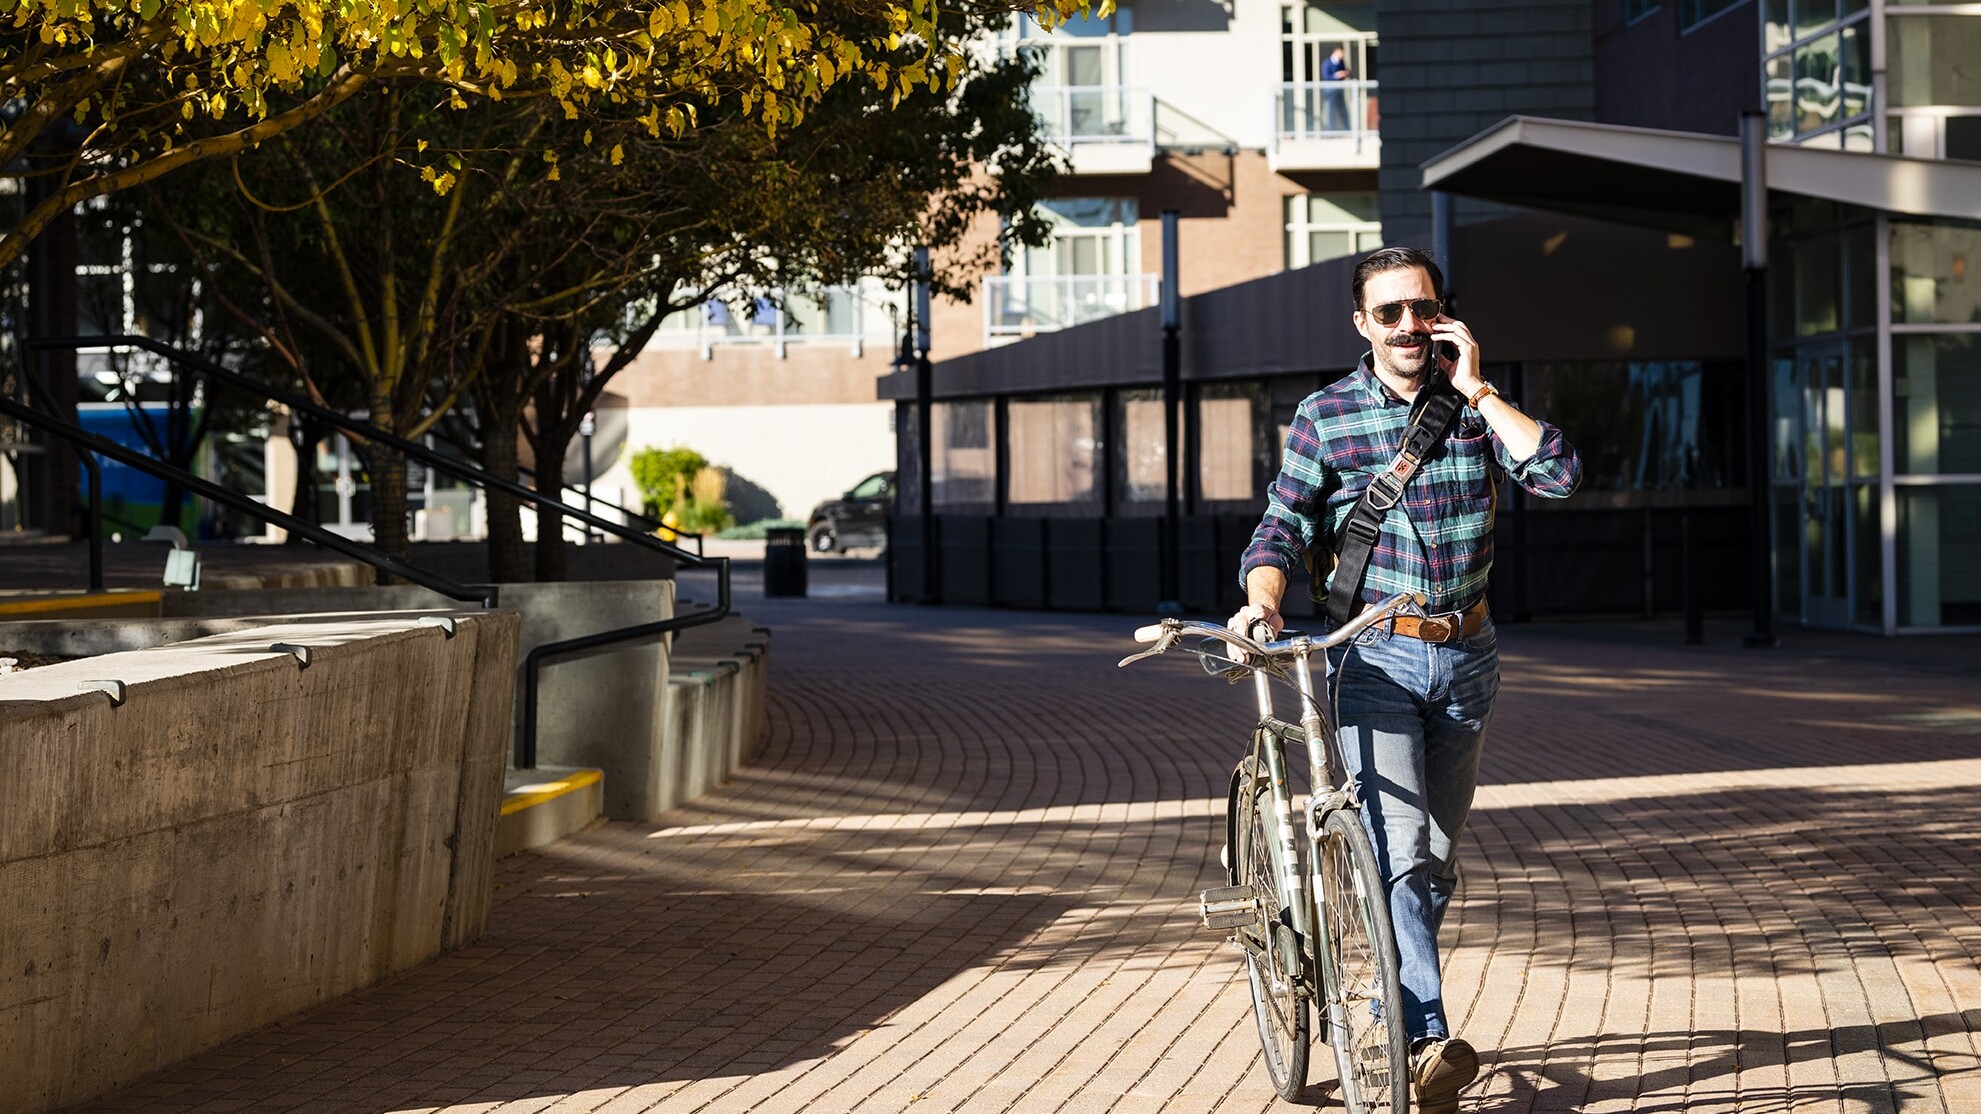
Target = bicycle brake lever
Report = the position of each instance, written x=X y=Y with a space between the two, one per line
x=1167 y=640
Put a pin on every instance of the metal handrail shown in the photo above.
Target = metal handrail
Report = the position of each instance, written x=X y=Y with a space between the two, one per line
x=87 y=442
x=526 y=746
x=642 y=517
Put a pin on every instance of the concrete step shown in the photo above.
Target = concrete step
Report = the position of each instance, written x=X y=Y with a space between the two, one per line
x=545 y=804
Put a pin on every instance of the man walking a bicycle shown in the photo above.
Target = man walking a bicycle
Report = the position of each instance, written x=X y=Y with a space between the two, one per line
x=1387 y=486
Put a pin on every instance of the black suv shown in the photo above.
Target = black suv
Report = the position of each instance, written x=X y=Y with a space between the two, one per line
x=855 y=519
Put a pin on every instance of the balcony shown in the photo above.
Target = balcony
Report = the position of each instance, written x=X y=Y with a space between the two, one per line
x=1325 y=125
x=1017 y=306
x=842 y=315
x=1104 y=129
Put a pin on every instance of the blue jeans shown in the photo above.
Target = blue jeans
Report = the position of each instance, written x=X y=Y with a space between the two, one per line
x=1410 y=717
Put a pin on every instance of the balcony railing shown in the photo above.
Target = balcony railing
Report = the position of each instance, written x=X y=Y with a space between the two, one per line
x=1020 y=305
x=1081 y=114
x=849 y=315
x=1325 y=110
x=1104 y=129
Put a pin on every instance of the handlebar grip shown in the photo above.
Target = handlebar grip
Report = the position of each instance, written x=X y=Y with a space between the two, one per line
x=1149 y=633
x=1259 y=631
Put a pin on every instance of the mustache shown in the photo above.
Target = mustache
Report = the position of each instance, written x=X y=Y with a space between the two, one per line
x=1408 y=338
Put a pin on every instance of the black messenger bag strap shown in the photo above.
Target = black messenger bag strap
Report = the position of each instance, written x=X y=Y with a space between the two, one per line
x=1364 y=523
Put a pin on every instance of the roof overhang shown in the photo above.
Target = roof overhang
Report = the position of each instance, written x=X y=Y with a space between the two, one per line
x=1683 y=181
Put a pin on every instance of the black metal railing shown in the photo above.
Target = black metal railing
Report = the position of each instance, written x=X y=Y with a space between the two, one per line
x=526 y=745
x=88 y=445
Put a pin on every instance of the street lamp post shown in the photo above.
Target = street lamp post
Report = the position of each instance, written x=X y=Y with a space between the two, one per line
x=915 y=346
x=1754 y=259
x=1171 y=561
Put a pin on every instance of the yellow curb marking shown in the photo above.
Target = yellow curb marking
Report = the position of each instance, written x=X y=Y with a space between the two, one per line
x=70 y=603
x=536 y=793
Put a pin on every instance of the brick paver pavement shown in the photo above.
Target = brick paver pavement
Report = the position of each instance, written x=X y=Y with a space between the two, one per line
x=963 y=877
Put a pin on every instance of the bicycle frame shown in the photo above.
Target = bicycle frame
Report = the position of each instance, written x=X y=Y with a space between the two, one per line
x=1338 y=853
x=1269 y=741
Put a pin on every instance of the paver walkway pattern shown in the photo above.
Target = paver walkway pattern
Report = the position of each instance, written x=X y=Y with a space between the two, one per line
x=963 y=877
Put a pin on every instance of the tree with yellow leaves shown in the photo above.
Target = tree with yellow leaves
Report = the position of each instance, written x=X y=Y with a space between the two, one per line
x=103 y=95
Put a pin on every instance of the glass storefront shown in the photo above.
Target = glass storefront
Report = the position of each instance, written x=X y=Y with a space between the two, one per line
x=1875 y=420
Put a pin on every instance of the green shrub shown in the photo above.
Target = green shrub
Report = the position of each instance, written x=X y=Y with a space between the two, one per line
x=663 y=476
x=680 y=480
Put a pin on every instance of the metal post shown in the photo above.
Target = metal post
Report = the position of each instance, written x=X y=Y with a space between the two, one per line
x=586 y=426
x=1754 y=257
x=918 y=326
x=1171 y=560
x=1442 y=230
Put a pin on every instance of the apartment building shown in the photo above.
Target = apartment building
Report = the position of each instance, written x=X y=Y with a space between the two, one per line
x=1575 y=165
x=1257 y=121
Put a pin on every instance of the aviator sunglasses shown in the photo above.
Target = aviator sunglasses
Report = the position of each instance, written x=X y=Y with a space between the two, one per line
x=1389 y=313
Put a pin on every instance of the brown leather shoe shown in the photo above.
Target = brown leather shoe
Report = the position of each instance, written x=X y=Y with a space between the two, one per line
x=1439 y=1071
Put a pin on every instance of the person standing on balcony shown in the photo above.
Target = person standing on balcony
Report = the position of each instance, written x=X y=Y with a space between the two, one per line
x=1334 y=101
x=1412 y=695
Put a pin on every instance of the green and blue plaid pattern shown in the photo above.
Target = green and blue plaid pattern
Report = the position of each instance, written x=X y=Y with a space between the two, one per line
x=1438 y=540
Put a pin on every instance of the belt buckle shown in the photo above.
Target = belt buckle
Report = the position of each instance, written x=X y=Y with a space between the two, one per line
x=1442 y=625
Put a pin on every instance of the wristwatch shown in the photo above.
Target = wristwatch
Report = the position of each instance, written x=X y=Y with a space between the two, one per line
x=1480 y=394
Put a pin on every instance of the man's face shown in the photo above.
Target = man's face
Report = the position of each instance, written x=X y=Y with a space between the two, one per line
x=1404 y=349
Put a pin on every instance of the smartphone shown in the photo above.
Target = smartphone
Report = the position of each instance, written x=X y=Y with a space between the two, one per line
x=1448 y=350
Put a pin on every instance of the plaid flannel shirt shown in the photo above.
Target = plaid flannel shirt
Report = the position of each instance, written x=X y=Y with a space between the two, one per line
x=1438 y=540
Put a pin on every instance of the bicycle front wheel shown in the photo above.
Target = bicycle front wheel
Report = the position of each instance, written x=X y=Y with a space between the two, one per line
x=1364 y=993
x=1272 y=947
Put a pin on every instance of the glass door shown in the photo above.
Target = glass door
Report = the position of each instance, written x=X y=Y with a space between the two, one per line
x=1824 y=423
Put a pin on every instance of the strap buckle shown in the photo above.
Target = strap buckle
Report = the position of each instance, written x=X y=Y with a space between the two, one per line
x=1387 y=488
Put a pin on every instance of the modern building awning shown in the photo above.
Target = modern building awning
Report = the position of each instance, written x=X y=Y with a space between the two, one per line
x=1683 y=181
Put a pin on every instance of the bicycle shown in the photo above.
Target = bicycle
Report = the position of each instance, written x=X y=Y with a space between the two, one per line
x=1330 y=940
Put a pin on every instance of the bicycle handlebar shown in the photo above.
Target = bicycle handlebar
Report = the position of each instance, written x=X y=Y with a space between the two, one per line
x=1168 y=632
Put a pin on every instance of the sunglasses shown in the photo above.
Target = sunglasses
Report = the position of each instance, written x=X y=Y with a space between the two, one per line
x=1389 y=313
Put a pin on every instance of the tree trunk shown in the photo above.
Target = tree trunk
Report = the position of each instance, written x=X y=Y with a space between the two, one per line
x=552 y=443
x=388 y=504
x=507 y=560
x=388 y=489
x=305 y=436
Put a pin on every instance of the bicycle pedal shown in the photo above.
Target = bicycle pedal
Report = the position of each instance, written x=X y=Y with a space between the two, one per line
x=1228 y=906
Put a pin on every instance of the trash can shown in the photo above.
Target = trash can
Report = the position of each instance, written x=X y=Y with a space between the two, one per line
x=784 y=561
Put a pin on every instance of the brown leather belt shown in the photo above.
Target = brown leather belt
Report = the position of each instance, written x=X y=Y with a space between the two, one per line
x=1449 y=626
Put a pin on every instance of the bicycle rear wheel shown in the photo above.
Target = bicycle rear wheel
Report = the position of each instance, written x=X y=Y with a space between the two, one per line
x=1364 y=995
x=1272 y=948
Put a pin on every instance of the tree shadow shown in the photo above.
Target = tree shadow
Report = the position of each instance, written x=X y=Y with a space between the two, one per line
x=1554 y=1075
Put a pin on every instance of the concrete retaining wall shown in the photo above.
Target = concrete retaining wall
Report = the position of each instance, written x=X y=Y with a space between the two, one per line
x=604 y=710
x=242 y=837
x=715 y=707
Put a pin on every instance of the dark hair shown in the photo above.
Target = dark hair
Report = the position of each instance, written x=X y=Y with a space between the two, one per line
x=1395 y=259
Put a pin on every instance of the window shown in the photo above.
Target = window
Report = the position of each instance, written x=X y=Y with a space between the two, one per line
x=1327 y=70
x=1635 y=10
x=1082 y=92
x=1662 y=425
x=1929 y=60
x=1091 y=268
x=1936 y=404
x=1817 y=73
x=1054 y=444
x=1939 y=556
x=1142 y=469
x=963 y=455
x=1931 y=264
x=1233 y=442
x=1329 y=225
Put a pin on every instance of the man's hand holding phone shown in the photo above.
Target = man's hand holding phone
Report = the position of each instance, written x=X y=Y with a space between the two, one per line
x=1458 y=354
